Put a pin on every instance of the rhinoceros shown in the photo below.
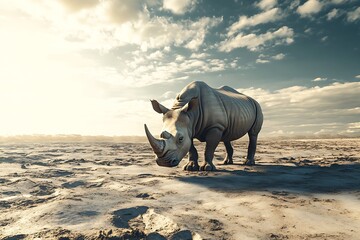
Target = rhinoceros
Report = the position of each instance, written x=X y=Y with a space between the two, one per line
x=209 y=115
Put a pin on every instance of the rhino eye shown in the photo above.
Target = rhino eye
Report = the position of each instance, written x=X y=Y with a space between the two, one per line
x=181 y=139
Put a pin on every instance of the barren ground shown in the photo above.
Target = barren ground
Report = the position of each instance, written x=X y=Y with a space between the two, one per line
x=299 y=189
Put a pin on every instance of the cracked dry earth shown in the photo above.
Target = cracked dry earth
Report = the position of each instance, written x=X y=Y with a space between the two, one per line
x=299 y=189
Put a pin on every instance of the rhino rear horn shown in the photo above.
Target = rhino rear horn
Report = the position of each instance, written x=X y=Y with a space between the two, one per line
x=157 y=145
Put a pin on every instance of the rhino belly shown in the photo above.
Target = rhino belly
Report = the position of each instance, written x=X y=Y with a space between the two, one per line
x=240 y=121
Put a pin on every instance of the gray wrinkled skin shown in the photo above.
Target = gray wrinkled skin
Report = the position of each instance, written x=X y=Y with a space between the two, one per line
x=209 y=115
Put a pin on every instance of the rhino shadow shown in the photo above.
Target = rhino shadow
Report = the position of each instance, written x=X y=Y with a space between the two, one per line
x=302 y=179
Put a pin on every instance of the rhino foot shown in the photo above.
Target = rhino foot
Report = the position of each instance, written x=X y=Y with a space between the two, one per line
x=250 y=162
x=191 y=166
x=227 y=161
x=207 y=167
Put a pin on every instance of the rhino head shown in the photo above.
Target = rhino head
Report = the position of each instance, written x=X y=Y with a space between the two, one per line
x=176 y=135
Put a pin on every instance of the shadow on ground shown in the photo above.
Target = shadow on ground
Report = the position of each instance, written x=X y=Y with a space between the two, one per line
x=304 y=179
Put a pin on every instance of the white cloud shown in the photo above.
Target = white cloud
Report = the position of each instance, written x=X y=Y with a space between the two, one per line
x=266 y=58
x=156 y=55
x=358 y=76
x=200 y=55
x=179 y=6
x=338 y=1
x=308 y=31
x=271 y=15
x=253 y=42
x=319 y=79
x=279 y=56
x=354 y=125
x=332 y=14
x=354 y=15
x=307 y=110
x=294 y=4
x=179 y=58
x=309 y=8
x=266 y=4
x=259 y=60
x=323 y=39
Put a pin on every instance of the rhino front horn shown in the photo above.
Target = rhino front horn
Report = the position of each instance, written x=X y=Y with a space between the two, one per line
x=157 y=145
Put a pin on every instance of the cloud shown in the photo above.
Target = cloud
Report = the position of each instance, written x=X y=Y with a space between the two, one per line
x=338 y=1
x=266 y=4
x=253 y=42
x=318 y=79
x=323 y=39
x=145 y=69
x=113 y=23
x=307 y=110
x=309 y=8
x=279 y=56
x=79 y=4
x=332 y=14
x=179 y=7
x=354 y=15
x=355 y=125
x=123 y=11
x=259 y=60
x=156 y=55
x=161 y=32
x=271 y=15
x=266 y=59
x=358 y=76
x=200 y=55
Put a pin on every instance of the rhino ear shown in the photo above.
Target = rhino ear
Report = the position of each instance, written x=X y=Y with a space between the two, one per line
x=158 y=107
x=192 y=104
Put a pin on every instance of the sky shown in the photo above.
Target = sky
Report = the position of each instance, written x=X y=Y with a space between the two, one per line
x=90 y=66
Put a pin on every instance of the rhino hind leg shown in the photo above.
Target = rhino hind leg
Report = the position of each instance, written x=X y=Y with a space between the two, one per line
x=192 y=164
x=229 y=153
x=250 y=159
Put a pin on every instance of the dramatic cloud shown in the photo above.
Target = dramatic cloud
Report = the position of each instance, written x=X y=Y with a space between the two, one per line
x=253 y=42
x=292 y=110
x=354 y=15
x=112 y=23
x=266 y=4
x=271 y=15
x=309 y=8
x=179 y=7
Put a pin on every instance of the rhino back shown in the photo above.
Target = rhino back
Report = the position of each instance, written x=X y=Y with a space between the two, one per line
x=241 y=112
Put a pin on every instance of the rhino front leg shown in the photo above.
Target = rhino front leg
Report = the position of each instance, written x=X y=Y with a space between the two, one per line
x=250 y=159
x=212 y=139
x=192 y=164
x=229 y=153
